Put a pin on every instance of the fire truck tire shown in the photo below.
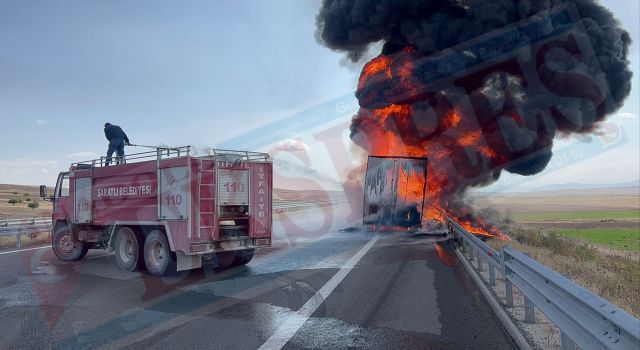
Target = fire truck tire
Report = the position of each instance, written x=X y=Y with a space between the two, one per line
x=157 y=254
x=127 y=250
x=85 y=250
x=66 y=247
x=243 y=257
x=224 y=259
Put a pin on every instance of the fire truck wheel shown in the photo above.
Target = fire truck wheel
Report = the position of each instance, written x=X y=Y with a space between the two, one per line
x=157 y=254
x=224 y=259
x=243 y=257
x=66 y=247
x=127 y=249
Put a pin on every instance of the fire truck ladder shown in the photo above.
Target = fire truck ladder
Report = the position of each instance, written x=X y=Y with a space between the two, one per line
x=206 y=188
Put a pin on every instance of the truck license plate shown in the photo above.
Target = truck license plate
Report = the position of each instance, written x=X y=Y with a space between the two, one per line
x=231 y=244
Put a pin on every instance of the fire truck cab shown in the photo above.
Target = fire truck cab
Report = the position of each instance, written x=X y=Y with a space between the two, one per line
x=165 y=210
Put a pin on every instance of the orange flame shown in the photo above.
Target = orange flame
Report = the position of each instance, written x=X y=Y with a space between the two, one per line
x=394 y=121
x=452 y=119
x=470 y=139
x=380 y=64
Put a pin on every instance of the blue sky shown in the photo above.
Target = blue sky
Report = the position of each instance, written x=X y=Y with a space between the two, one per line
x=199 y=73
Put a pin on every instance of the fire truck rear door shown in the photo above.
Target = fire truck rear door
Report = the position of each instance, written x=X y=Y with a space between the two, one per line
x=233 y=186
x=83 y=200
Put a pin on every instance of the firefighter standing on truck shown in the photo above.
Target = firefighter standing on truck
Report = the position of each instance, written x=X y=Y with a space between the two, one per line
x=117 y=140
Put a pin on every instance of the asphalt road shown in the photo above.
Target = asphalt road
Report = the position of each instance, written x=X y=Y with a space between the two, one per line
x=318 y=289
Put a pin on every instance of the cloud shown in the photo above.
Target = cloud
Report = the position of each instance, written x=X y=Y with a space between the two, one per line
x=83 y=155
x=29 y=171
x=291 y=145
x=42 y=122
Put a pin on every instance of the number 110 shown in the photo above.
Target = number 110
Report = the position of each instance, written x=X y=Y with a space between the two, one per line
x=234 y=187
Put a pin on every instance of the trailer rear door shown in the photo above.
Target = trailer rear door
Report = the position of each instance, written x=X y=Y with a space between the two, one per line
x=394 y=191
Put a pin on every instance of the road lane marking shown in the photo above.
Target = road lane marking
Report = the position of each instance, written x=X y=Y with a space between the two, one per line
x=293 y=324
x=24 y=250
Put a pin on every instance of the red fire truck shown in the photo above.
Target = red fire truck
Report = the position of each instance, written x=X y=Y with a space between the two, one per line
x=166 y=210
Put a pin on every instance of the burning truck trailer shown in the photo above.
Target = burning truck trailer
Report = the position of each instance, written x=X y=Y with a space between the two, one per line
x=165 y=210
x=394 y=192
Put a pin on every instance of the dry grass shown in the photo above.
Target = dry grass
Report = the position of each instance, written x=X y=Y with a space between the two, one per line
x=611 y=275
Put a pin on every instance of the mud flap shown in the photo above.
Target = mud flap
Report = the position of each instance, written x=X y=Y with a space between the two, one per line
x=187 y=262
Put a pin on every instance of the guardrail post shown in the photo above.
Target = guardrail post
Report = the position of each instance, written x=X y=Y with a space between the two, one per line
x=492 y=275
x=529 y=313
x=508 y=288
x=566 y=343
x=479 y=260
x=18 y=243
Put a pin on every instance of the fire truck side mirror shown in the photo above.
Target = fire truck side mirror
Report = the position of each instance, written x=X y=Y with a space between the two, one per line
x=43 y=191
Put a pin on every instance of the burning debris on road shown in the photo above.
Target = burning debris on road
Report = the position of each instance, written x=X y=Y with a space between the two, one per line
x=478 y=87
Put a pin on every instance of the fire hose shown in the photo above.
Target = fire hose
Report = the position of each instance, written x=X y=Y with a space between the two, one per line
x=146 y=146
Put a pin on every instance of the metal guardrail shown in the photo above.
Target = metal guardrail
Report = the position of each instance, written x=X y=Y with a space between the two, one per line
x=10 y=227
x=241 y=155
x=280 y=206
x=158 y=153
x=161 y=152
x=16 y=227
x=583 y=318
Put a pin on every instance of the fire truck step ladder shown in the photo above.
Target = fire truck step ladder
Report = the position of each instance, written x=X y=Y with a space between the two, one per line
x=210 y=190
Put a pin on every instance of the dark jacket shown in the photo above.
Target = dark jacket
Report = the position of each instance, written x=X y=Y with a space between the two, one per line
x=112 y=132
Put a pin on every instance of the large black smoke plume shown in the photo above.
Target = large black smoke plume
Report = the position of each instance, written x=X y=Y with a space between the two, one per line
x=478 y=86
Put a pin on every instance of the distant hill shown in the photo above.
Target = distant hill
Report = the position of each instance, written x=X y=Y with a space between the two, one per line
x=580 y=186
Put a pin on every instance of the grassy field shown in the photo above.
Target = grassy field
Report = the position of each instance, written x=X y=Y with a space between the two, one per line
x=607 y=218
x=592 y=236
x=26 y=195
x=627 y=239
x=578 y=215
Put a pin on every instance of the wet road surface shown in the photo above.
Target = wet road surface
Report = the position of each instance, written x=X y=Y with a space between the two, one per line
x=332 y=290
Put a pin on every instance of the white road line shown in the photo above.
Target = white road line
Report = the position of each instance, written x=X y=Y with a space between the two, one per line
x=291 y=325
x=24 y=250
x=99 y=256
